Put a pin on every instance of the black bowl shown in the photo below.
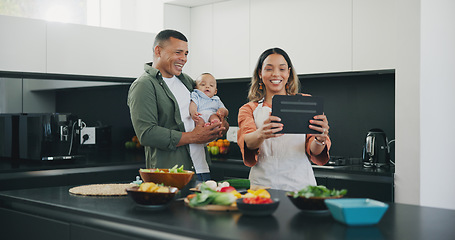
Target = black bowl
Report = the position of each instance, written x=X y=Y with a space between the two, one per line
x=310 y=204
x=151 y=198
x=257 y=209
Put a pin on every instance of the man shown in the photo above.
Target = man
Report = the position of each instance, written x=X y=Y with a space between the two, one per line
x=159 y=106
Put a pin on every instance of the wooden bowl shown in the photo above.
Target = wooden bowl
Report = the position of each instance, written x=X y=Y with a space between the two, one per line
x=178 y=180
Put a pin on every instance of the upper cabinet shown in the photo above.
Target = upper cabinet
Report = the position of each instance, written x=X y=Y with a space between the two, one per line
x=22 y=44
x=320 y=36
x=231 y=39
x=374 y=34
x=315 y=34
x=30 y=45
x=200 y=43
x=95 y=51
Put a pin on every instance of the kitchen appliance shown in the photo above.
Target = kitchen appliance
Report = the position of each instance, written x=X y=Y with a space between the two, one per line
x=9 y=135
x=376 y=151
x=48 y=136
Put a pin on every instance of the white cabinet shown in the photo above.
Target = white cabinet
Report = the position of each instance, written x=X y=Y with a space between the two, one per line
x=231 y=41
x=315 y=34
x=22 y=44
x=374 y=34
x=229 y=36
x=86 y=50
x=200 y=57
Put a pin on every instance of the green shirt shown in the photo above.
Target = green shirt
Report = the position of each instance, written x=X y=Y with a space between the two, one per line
x=156 y=120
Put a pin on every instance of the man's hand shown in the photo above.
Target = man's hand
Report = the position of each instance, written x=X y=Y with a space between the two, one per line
x=202 y=134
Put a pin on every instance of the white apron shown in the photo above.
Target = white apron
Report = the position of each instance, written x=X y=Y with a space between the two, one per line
x=282 y=162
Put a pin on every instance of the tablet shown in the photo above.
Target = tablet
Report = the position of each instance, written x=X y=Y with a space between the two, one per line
x=296 y=112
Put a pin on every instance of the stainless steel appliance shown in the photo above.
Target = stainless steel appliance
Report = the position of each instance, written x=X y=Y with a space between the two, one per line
x=376 y=151
x=48 y=136
x=9 y=135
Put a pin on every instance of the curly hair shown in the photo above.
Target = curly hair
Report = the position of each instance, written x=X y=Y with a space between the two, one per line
x=255 y=94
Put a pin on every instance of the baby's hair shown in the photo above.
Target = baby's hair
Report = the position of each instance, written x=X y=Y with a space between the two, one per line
x=206 y=73
x=202 y=74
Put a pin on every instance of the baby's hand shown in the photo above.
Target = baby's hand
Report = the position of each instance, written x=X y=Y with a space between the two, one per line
x=196 y=116
x=221 y=113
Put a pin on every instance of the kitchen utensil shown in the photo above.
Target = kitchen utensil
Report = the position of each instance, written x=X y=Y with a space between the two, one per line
x=376 y=150
x=356 y=211
x=151 y=198
x=257 y=209
x=178 y=180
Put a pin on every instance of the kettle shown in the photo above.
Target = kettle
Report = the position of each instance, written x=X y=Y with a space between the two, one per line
x=376 y=151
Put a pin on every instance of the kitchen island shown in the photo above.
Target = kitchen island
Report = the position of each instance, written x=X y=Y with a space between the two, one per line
x=53 y=213
x=117 y=166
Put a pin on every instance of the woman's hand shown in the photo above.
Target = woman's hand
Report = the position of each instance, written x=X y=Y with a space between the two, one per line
x=320 y=124
x=270 y=127
x=268 y=130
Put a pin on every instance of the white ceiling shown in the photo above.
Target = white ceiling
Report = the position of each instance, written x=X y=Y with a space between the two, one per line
x=192 y=3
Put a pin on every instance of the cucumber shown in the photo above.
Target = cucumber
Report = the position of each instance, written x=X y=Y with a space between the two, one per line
x=238 y=183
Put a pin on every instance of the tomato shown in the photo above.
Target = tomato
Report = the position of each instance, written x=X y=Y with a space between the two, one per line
x=224 y=150
x=227 y=189
x=257 y=200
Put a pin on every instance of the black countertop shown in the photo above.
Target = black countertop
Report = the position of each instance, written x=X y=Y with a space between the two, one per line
x=92 y=158
x=121 y=215
x=118 y=164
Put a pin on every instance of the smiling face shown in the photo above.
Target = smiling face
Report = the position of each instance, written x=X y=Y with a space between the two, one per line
x=207 y=84
x=274 y=74
x=170 y=57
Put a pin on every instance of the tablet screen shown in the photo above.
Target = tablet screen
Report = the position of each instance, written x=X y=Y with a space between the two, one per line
x=296 y=112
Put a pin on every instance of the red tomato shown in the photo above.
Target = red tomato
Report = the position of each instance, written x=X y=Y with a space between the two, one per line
x=257 y=200
x=227 y=189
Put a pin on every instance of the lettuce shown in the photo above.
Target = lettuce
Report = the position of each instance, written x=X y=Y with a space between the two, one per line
x=318 y=191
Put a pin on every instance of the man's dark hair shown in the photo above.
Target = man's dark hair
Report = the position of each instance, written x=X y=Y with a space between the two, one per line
x=166 y=34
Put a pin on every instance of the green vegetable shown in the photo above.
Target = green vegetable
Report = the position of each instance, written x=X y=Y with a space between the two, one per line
x=174 y=169
x=224 y=198
x=318 y=191
x=208 y=196
x=238 y=183
x=201 y=199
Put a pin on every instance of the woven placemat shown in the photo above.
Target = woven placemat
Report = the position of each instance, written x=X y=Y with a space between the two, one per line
x=111 y=189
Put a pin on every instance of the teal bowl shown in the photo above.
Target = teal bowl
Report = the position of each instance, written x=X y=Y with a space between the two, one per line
x=356 y=211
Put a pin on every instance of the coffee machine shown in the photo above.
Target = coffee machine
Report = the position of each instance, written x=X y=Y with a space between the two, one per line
x=376 y=150
x=48 y=136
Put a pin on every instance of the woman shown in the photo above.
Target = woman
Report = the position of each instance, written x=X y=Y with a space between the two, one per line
x=279 y=161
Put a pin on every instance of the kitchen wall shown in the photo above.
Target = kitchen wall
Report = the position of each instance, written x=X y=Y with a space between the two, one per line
x=353 y=103
x=105 y=106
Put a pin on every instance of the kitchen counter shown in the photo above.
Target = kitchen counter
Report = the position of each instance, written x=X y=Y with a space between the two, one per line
x=53 y=213
x=117 y=165
x=359 y=181
x=95 y=167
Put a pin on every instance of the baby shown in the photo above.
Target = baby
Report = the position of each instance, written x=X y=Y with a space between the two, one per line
x=204 y=103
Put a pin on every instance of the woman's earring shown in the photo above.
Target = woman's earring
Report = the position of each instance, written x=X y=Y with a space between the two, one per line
x=260 y=86
x=287 y=86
